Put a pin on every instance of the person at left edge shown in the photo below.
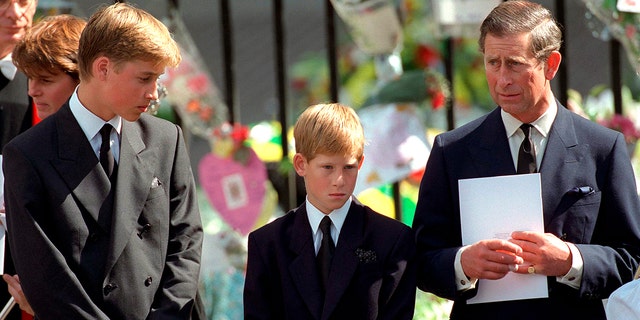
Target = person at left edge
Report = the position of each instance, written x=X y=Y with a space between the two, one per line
x=80 y=255
x=16 y=110
x=47 y=54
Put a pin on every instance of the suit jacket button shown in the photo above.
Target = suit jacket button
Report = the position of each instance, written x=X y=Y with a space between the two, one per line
x=93 y=237
x=147 y=281
x=563 y=237
x=109 y=288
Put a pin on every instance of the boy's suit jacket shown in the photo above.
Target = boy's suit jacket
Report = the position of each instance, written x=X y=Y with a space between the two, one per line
x=148 y=251
x=604 y=224
x=372 y=274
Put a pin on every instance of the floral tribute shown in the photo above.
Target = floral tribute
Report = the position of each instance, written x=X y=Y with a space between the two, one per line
x=231 y=141
x=598 y=107
x=235 y=179
x=190 y=88
x=621 y=25
x=235 y=196
x=623 y=124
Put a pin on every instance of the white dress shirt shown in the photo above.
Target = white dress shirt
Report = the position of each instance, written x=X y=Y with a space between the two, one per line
x=91 y=125
x=337 y=220
x=7 y=67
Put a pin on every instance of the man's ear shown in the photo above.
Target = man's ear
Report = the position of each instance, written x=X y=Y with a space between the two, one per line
x=300 y=164
x=552 y=65
x=361 y=162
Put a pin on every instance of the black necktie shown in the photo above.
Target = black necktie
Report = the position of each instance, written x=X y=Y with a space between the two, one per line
x=106 y=157
x=326 y=250
x=526 y=154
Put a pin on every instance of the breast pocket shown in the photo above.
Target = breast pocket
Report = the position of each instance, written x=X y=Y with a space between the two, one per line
x=157 y=189
x=577 y=223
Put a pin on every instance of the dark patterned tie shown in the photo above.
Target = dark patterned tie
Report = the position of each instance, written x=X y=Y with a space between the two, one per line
x=325 y=254
x=106 y=156
x=526 y=154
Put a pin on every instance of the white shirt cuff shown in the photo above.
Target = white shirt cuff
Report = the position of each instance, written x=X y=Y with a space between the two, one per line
x=462 y=281
x=573 y=278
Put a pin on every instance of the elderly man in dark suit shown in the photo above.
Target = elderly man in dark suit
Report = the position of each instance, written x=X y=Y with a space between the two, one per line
x=591 y=240
x=101 y=199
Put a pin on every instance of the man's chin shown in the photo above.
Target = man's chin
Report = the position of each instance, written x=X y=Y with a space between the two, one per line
x=7 y=42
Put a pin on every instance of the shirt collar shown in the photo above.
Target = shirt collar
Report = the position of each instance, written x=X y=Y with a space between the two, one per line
x=7 y=67
x=337 y=216
x=542 y=124
x=89 y=122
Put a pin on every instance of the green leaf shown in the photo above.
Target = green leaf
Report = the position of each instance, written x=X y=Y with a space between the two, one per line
x=409 y=87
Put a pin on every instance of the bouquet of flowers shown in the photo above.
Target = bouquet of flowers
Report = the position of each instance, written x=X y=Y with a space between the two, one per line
x=623 y=124
x=598 y=107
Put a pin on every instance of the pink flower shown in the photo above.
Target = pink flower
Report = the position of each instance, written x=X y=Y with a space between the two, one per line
x=240 y=133
x=622 y=124
x=199 y=84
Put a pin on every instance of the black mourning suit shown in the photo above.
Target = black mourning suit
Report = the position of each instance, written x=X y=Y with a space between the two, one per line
x=16 y=116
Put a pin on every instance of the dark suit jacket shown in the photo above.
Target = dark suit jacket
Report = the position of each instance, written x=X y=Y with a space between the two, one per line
x=76 y=261
x=372 y=274
x=16 y=116
x=16 y=111
x=604 y=225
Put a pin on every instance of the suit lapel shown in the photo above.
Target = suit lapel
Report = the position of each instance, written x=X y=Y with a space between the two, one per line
x=562 y=154
x=134 y=166
x=562 y=138
x=78 y=166
x=301 y=243
x=489 y=147
x=345 y=261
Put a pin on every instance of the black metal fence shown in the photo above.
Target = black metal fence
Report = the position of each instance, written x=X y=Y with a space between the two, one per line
x=584 y=58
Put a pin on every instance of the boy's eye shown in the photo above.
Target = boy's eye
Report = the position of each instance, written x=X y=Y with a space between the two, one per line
x=40 y=80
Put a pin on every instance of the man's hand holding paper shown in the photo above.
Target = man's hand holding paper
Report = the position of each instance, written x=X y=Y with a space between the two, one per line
x=546 y=253
x=491 y=259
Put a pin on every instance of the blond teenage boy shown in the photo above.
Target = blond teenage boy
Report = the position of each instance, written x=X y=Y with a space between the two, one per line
x=100 y=196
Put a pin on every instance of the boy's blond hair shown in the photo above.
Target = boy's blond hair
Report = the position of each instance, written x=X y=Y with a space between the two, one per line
x=329 y=129
x=51 y=46
x=124 y=33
